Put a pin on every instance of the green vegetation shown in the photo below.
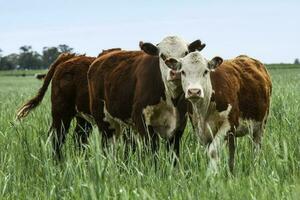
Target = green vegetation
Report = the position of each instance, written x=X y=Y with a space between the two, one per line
x=283 y=66
x=27 y=170
x=30 y=59
x=22 y=72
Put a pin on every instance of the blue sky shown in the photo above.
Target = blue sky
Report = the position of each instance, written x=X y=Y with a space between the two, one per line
x=267 y=30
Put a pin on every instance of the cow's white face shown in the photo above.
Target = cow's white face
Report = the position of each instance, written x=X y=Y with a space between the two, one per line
x=171 y=47
x=195 y=75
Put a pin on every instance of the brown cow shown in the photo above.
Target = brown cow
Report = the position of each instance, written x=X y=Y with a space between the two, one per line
x=69 y=98
x=137 y=90
x=228 y=99
x=40 y=76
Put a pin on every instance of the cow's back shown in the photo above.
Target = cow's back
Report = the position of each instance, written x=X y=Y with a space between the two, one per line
x=119 y=79
x=245 y=83
x=70 y=83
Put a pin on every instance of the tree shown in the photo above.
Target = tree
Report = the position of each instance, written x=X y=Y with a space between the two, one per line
x=29 y=59
x=63 y=48
x=9 y=62
x=296 y=62
x=49 y=55
x=25 y=48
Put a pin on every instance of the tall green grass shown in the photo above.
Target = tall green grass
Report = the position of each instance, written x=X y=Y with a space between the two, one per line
x=27 y=170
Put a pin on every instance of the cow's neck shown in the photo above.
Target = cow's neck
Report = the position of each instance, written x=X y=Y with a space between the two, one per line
x=201 y=113
x=202 y=108
x=172 y=89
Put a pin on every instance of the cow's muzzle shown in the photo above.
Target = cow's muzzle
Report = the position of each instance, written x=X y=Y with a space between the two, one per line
x=194 y=94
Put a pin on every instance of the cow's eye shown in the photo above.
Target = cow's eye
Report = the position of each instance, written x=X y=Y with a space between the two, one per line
x=183 y=73
x=205 y=72
x=163 y=56
x=186 y=53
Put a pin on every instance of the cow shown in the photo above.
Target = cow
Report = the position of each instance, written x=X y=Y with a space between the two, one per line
x=69 y=99
x=229 y=99
x=136 y=89
x=40 y=76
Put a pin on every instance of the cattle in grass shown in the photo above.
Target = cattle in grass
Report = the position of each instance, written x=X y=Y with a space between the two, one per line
x=136 y=89
x=69 y=98
x=40 y=76
x=229 y=99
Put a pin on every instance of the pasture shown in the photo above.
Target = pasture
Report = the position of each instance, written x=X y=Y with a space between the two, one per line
x=27 y=170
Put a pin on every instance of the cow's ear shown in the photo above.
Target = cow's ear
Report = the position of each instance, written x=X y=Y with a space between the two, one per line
x=196 y=46
x=215 y=62
x=173 y=64
x=149 y=48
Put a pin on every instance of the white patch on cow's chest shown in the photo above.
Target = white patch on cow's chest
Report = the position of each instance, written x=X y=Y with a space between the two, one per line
x=162 y=117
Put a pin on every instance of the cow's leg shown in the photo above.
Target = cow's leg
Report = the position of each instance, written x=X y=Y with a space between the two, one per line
x=82 y=132
x=153 y=137
x=83 y=117
x=130 y=143
x=143 y=130
x=152 y=141
x=139 y=120
x=175 y=140
x=231 y=147
x=60 y=126
x=258 y=133
x=214 y=148
x=147 y=133
x=257 y=137
x=97 y=111
x=174 y=143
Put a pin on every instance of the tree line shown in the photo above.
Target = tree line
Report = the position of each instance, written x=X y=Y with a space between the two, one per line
x=30 y=59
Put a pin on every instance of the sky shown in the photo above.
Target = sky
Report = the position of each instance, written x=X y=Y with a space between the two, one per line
x=268 y=30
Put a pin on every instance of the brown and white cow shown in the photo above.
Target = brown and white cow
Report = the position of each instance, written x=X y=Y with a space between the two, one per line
x=69 y=98
x=137 y=89
x=229 y=99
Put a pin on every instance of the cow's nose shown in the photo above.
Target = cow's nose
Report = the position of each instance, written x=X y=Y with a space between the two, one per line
x=194 y=92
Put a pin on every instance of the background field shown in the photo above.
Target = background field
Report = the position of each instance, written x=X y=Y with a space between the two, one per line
x=27 y=170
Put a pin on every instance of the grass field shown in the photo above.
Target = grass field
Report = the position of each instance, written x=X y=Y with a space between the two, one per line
x=27 y=170
x=21 y=73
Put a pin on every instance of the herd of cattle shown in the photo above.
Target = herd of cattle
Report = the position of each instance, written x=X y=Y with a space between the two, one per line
x=154 y=91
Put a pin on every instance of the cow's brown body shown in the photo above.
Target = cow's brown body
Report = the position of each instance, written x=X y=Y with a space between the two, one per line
x=245 y=84
x=69 y=98
x=122 y=84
